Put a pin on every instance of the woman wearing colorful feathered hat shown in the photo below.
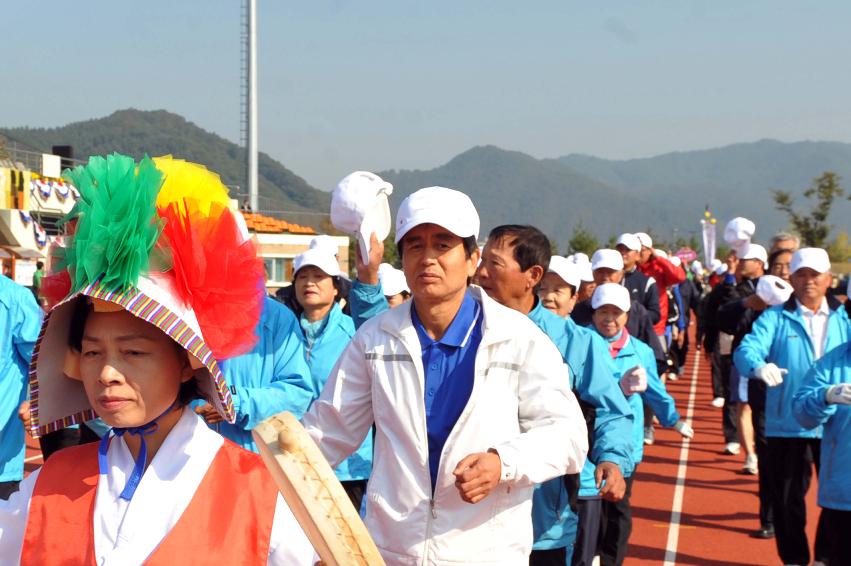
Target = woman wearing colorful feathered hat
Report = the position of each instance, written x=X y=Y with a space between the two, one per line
x=159 y=283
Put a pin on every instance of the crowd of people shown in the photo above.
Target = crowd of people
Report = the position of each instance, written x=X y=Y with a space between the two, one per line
x=480 y=405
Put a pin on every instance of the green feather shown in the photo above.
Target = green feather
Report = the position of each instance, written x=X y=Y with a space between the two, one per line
x=117 y=223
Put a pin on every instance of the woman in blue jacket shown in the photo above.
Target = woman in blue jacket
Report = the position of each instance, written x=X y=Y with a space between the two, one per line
x=635 y=371
x=325 y=332
x=825 y=399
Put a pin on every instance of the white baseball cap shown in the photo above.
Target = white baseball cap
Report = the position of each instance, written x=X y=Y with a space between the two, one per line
x=583 y=265
x=325 y=243
x=644 y=239
x=318 y=258
x=755 y=251
x=448 y=208
x=611 y=294
x=392 y=281
x=359 y=207
x=721 y=269
x=607 y=259
x=813 y=258
x=696 y=267
x=739 y=232
x=675 y=259
x=773 y=290
x=631 y=242
x=567 y=270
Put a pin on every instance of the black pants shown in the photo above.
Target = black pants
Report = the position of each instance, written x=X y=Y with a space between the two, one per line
x=721 y=368
x=552 y=557
x=7 y=488
x=838 y=526
x=616 y=526
x=65 y=437
x=355 y=489
x=756 y=399
x=590 y=516
x=791 y=467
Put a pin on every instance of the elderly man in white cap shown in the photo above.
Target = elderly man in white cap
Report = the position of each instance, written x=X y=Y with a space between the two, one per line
x=652 y=263
x=642 y=288
x=782 y=346
x=470 y=402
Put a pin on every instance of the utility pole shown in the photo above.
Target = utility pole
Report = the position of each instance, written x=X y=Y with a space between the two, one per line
x=249 y=99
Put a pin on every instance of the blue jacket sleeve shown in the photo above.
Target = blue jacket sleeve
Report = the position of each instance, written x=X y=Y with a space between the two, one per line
x=365 y=302
x=808 y=404
x=656 y=395
x=613 y=420
x=280 y=353
x=26 y=326
x=756 y=345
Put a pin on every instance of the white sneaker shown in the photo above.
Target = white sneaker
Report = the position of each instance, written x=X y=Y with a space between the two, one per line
x=751 y=465
x=718 y=402
x=732 y=448
x=648 y=435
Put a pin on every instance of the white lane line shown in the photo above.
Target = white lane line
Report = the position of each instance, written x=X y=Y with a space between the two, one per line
x=677 y=507
x=32 y=459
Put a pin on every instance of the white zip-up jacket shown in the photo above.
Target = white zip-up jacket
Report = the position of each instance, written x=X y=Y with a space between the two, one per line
x=520 y=406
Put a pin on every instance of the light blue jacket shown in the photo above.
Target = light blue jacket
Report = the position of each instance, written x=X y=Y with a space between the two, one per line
x=20 y=321
x=808 y=404
x=321 y=356
x=271 y=378
x=634 y=353
x=591 y=373
x=780 y=336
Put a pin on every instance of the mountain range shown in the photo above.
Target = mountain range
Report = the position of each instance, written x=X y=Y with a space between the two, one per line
x=666 y=194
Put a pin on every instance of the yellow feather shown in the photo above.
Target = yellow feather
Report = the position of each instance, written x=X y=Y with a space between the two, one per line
x=189 y=182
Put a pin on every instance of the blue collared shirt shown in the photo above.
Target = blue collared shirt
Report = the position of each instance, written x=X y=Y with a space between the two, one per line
x=449 y=366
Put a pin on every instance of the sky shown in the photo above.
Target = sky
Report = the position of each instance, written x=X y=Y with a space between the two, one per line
x=408 y=85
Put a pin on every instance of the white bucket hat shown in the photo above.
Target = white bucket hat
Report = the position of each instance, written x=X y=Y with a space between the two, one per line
x=359 y=207
x=448 y=208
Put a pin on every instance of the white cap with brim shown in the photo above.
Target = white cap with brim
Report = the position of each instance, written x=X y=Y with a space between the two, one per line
x=392 y=281
x=812 y=258
x=696 y=267
x=359 y=207
x=448 y=208
x=644 y=239
x=567 y=270
x=675 y=259
x=773 y=290
x=325 y=243
x=607 y=259
x=320 y=258
x=59 y=399
x=583 y=265
x=631 y=242
x=739 y=232
x=611 y=294
x=721 y=269
x=755 y=251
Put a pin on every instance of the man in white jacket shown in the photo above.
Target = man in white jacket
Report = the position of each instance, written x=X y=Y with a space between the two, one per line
x=469 y=400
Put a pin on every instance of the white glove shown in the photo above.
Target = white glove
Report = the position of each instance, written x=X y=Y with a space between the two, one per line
x=684 y=428
x=634 y=381
x=770 y=374
x=838 y=394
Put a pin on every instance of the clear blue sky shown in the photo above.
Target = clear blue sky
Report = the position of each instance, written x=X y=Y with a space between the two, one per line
x=381 y=84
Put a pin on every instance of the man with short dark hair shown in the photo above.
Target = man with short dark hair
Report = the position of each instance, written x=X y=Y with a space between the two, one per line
x=470 y=400
x=514 y=261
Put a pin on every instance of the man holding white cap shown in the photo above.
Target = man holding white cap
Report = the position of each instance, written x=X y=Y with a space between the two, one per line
x=514 y=260
x=470 y=401
x=782 y=346
x=663 y=272
x=641 y=287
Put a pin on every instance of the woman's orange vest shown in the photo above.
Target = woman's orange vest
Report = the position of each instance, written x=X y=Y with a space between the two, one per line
x=228 y=520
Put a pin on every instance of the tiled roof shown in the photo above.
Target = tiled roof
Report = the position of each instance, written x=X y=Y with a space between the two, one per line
x=267 y=225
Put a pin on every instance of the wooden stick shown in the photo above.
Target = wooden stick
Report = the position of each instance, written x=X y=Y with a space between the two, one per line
x=317 y=499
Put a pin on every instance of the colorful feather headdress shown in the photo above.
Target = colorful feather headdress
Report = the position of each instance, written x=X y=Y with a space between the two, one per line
x=158 y=239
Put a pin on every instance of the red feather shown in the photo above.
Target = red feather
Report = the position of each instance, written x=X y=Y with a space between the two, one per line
x=218 y=274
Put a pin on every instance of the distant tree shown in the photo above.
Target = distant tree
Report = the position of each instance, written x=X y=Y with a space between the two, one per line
x=839 y=249
x=582 y=241
x=812 y=226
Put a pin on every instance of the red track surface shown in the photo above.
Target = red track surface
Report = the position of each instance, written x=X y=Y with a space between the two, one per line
x=720 y=504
